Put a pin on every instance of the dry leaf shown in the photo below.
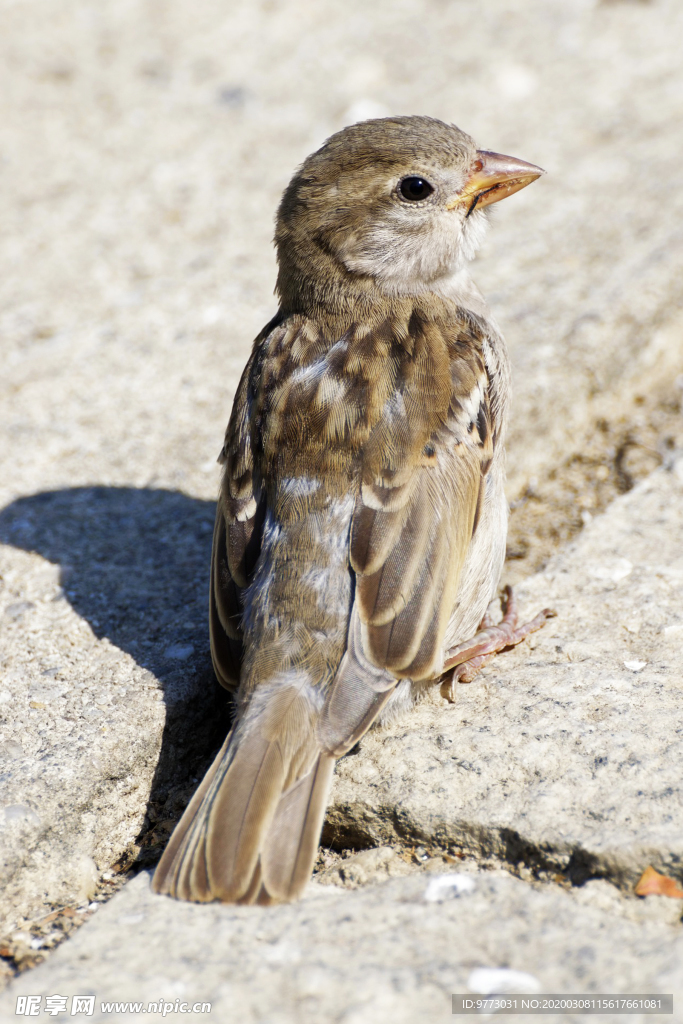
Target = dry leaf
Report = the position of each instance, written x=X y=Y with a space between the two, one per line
x=654 y=884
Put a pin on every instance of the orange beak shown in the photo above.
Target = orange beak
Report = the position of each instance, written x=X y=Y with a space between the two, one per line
x=494 y=177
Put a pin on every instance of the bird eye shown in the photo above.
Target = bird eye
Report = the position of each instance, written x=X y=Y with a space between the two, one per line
x=415 y=189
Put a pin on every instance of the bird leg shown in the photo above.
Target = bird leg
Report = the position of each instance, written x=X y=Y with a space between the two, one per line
x=466 y=660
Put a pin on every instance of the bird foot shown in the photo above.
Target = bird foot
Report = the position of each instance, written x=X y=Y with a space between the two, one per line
x=466 y=660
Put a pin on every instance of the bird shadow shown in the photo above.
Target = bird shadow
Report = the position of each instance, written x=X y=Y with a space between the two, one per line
x=134 y=563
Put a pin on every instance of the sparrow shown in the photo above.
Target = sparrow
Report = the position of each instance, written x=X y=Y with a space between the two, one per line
x=361 y=525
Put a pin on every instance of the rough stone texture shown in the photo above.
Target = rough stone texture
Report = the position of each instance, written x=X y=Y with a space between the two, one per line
x=390 y=953
x=144 y=151
x=97 y=709
x=143 y=148
x=566 y=758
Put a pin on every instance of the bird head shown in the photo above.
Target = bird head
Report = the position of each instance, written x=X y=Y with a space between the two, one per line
x=395 y=204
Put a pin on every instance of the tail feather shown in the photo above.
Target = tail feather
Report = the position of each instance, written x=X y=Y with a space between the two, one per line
x=251 y=831
x=291 y=845
x=254 y=893
x=168 y=877
x=240 y=815
x=249 y=835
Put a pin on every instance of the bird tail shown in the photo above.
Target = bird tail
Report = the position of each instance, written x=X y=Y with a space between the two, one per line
x=251 y=831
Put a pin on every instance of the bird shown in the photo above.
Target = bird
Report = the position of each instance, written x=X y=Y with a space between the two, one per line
x=361 y=525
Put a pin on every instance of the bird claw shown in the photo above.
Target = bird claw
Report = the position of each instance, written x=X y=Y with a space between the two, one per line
x=464 y=661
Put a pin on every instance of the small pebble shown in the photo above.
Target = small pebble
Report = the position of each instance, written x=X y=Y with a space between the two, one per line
x=447 y=887
x=179 y=652
x=488 y=980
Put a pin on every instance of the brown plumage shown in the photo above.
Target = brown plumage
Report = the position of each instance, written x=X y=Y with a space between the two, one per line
x=361 y=525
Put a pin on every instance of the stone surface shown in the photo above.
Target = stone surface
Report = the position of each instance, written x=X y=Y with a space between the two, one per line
x=566 y=757
x=143 y=149
x=387 y=953
x=135 y=239
x=98 y=708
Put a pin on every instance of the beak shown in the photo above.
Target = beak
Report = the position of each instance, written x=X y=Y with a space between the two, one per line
x=494 y=177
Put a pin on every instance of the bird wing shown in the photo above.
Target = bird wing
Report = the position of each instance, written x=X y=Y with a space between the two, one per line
x=417 y=510
x=427 y=443
x=237 y=534
x=422 y=486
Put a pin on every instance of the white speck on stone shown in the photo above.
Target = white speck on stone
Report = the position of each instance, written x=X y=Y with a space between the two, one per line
x=616 y=569
x=365 y=110
x=85 y=876
x=129 y=919
x=635 y=666
x=281 y=953
x=5 y=696
x=11 y=749
x=487 y=980
x=213 y=315
x=516 y=82
x=673 y=632
x=21 y=812
x=447 y=887
x=179 y=652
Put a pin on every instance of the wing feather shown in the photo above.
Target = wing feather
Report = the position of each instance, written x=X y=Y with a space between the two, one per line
x=359 y=692
x=423 y=485
x=236 y=538
x=224 y=611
